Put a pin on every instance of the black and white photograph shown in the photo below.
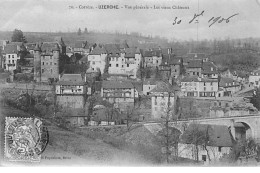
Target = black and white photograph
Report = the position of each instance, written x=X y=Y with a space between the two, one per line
x=129 y=83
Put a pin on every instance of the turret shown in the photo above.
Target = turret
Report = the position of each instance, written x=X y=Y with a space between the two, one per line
x=37 y=63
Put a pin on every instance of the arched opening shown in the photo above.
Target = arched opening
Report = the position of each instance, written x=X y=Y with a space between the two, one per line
x=242 y=131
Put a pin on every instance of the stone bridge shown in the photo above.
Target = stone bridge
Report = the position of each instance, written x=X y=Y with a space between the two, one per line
x=241 y=126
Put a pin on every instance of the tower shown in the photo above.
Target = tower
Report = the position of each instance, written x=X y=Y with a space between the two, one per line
x=37 y=63
x=56 y=55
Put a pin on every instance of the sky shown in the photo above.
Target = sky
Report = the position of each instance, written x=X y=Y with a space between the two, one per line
x=56 y=15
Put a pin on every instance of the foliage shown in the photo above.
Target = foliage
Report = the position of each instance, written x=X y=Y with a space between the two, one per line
x=18 y=36
x=197 y=136
x=75 y=68
x=255 y=100
x=22 y=77
x=79 y=31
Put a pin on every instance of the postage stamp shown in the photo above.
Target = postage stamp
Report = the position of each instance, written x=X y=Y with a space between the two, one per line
x=25 y=139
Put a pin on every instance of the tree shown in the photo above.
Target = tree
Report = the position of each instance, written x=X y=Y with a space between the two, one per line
x=86 y=30
x=255 y=100
x=169 y=136
x=130 y=117
x=18 y=36
x=197 y=135
x=79 y=31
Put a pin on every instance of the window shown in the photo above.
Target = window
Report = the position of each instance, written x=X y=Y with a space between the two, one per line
x=110 y=65
x=116 y=65
x=204 y=88
x=93 y=62
x=127 y=65
x=55 y=63
x=219 y=103
x=42 y=70
x=219 y=149
x=12 y=56
x=211 y=83
x=51 y=70
x=204 y=83
x=42 y=63
x=198 y=73
x=194 y=73
x=13 y=61
x=9 y=56
x=204 y=158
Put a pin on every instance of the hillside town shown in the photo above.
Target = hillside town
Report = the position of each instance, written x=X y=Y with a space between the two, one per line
x=87 y=85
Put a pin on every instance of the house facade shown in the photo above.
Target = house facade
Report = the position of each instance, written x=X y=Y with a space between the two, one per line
x=229 y=86
x=120 y=93
x=152 y=58
x=219 y=143
x=209 y=70
x=10 y=56
x=97 y=59
x=194 y=67
x=193 y=86
x=254 y=78
x=163 y=98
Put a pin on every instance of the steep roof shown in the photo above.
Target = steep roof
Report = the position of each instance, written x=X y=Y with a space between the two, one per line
x=98 y=51
x=228 y=82
x=219 y=135
x=130 y=52
x=10 y=49
x=197 y=79
x=190 y=79
x=84 y=59
x=164 y=87
x=49 y=46
x=117 y=84
x=209 y=68
x=30 y=46
x=196 y=55
x=112 y=48
x=195 y=64
x=149 y=82
x=71 y=79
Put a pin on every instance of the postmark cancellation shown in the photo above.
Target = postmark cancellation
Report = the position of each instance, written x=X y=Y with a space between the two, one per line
x=25 y=139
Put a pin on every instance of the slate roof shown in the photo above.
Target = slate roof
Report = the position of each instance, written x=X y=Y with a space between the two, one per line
x=190 y=79
x=195 y=64
x=117 y=84
x=207 y=66
x=149 y=82
x=10 y=49
x=151 y=53
x=196 y=55
x=164 y=87
x=71 y=79
x=84 y=59
x=98 y=51
x=30 y=46
x=130 y=52
x=228 y=81
x=49 y=46
x=197 y=79
x=111 y=48
x=219 y=135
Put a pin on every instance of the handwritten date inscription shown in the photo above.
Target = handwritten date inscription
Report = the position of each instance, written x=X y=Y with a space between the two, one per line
x=211 y=21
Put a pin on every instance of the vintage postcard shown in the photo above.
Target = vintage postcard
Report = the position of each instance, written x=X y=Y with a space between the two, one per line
x=130 y=83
